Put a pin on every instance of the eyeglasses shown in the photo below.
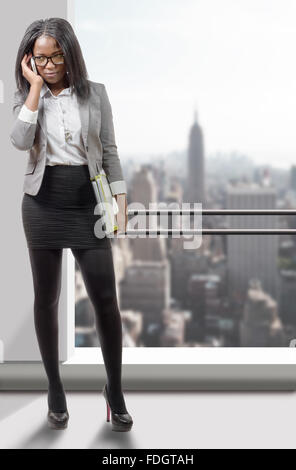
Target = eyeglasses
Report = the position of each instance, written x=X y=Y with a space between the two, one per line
x=56 y=59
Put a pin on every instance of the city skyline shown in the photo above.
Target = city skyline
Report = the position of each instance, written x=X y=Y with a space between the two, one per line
x=233 y=67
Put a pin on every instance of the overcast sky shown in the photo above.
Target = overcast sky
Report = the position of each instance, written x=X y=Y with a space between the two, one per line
x=232 y=59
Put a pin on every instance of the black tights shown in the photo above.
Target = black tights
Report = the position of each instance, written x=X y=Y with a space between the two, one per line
x=97 y=270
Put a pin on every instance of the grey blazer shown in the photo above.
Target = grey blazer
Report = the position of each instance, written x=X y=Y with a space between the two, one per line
x=98 y=137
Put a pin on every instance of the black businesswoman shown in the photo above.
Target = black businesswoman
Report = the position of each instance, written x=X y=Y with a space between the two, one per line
x=58 y=201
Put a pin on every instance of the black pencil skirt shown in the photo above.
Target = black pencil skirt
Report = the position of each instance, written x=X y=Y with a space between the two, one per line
x=62 y=214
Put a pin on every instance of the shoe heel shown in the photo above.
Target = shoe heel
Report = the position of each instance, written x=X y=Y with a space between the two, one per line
x=120 y=421
x=108 y=412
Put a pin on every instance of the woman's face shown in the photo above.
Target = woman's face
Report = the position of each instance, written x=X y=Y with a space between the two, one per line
x=47 y=46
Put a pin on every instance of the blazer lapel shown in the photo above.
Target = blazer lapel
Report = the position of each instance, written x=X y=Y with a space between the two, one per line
x=40 y=118
x=84 y=117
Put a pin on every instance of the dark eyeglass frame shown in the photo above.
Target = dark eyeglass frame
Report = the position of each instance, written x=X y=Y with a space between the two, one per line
x=50 y=57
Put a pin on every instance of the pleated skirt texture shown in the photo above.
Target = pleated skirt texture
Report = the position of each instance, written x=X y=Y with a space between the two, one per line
x=62 y=214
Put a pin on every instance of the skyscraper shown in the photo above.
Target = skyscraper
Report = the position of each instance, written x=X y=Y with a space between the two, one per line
x=195 y=165
x=252 y=256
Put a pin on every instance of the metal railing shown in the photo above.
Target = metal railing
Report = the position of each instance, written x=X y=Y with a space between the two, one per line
x=208 y=231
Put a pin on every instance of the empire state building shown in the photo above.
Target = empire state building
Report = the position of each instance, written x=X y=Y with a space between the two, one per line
x=195 y=165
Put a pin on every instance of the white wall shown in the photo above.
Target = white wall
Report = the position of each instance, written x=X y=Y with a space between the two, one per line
x=17 y=329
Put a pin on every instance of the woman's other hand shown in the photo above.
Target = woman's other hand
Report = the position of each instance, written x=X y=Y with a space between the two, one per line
x=121 y=216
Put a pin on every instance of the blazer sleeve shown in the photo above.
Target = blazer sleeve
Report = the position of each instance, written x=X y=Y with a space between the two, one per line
x=111 y=162
x=23 y=130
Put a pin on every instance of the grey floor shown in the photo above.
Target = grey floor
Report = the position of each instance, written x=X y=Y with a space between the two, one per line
x=175 y=420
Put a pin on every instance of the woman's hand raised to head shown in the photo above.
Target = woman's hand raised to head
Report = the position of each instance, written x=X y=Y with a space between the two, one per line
x=28 y=73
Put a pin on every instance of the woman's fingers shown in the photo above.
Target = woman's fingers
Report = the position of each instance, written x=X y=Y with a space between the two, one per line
x=121 y=221
x=26 y=58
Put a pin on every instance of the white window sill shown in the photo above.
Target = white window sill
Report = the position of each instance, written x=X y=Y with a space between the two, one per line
x=198 y=355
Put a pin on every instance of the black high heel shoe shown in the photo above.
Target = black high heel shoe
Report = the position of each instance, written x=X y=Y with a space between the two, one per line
x=120 y=421
x=57 y=420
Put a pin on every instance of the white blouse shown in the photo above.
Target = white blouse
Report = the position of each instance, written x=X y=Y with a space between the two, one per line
x=64 y=136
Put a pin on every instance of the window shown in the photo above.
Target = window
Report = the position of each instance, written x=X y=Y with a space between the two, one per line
x=201 y=97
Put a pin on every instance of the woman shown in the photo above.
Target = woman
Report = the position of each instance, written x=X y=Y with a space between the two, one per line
x=65 y=123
